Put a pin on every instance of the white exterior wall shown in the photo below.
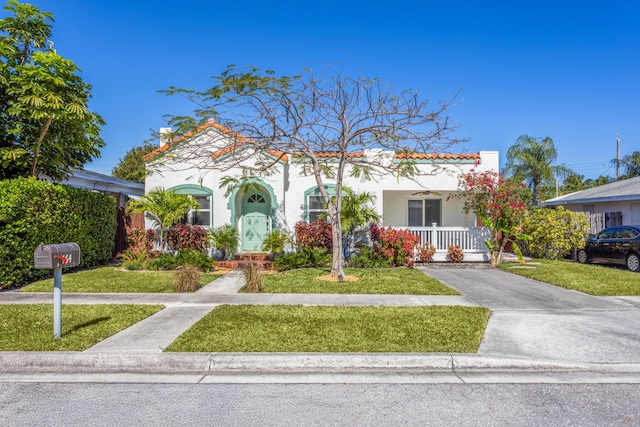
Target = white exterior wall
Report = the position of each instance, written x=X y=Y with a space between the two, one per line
x=289 y=187
x=624 y=207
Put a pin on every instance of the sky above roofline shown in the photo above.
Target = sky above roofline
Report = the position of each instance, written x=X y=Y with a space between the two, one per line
x=563 y=69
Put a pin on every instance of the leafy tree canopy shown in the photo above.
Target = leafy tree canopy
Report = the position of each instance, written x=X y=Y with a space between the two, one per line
x=132 y=166
x=45 y=124
x=319 y=119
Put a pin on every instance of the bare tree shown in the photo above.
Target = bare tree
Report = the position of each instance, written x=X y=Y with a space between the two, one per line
x=334 y=125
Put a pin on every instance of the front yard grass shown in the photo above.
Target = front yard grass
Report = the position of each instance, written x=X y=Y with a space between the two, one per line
x=591 y=279
x=29 y=327
x=114 y=279
x=287 y=328
x=395 y=281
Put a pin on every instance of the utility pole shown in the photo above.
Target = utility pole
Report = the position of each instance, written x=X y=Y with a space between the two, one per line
x=618 y=158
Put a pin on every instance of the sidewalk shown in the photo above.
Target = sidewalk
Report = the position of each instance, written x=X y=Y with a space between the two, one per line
x=533 y=327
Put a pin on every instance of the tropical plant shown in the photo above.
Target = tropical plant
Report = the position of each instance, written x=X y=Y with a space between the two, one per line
x=164 y=208
x=276 y=241
x=45 y=124
x=308 y=116
x=530 y=160
x=186 y=236
x=357 y=210
x=225 y=238
x=315 y=235
x=631 y=164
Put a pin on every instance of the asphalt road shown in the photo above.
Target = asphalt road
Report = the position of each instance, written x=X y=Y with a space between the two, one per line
x=91 y=404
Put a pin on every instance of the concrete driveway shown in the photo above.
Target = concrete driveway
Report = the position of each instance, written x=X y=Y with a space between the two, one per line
x=540 y=321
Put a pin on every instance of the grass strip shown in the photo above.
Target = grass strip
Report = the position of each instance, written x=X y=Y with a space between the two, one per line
x=295 y=328
x=394 y=281
x=593 y=279
x=116 y=280
x=29 y=327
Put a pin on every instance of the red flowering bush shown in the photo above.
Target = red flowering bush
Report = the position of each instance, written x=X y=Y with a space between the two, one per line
x=187 y=237
x=395 y=245
x=316 y=235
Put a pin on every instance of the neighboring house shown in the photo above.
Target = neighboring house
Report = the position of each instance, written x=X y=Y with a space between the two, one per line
x=612 y=204
x=121 y=189
x=288 y=195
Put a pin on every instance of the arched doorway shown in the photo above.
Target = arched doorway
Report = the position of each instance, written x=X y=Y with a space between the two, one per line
x=255 y=219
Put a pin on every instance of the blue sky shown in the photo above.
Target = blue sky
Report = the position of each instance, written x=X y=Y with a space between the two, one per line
x=565 y=69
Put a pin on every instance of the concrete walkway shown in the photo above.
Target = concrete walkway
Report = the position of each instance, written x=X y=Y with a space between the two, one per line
x=533 y=326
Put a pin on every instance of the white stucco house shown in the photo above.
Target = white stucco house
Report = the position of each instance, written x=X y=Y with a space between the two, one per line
x=290 y=194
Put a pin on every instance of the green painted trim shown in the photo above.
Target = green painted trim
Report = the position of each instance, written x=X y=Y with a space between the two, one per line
x=315 y=191
x=196 y=190
x=231 y=204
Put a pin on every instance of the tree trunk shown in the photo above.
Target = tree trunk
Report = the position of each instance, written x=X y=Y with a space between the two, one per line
x=36 y=151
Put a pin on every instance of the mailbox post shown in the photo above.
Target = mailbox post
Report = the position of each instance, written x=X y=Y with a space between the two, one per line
x=56 y=257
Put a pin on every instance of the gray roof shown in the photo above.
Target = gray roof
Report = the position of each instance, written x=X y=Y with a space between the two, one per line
x=627 y=189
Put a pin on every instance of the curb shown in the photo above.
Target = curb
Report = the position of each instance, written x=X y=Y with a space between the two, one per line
x=256 y=363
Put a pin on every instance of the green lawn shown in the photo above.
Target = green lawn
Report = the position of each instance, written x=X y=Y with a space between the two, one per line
x=393 y=281
x=113 y=279
x=282 y=328
x=29 y=327
x=588 y=278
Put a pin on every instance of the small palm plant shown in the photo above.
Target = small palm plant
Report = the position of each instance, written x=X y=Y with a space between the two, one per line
x=164 y=208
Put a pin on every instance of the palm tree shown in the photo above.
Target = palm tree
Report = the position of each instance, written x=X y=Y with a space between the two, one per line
x=630 y=163
x=530 y=159
x=357 y=210
x=163 y=207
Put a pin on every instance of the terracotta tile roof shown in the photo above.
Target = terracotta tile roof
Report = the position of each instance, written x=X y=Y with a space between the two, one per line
x=418 y=156
x=210 y=124
x=432 y=156
x=322 y=154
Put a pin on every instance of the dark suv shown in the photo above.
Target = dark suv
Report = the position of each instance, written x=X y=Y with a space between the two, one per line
x=614 y=245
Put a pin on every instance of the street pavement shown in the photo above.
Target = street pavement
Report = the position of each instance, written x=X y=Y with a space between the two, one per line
x=534 y=328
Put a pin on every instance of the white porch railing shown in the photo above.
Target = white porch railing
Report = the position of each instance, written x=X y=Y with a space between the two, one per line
x=469 y=239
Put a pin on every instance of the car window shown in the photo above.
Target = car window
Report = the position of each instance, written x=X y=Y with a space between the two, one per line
x=608 y=233
x=626 y=233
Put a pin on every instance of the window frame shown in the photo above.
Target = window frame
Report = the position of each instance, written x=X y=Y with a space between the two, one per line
x=423 y=211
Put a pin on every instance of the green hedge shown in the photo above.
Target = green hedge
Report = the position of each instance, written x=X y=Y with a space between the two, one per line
x=34 y=212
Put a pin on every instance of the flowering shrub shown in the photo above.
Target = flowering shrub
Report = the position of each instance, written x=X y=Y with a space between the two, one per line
x=455 y=254
x=426 y=252
x=395 y=245
x=316 y=235
x=187 y=237
x=499 y=204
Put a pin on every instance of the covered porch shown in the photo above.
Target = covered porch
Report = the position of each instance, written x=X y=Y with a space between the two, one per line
x=436 y=216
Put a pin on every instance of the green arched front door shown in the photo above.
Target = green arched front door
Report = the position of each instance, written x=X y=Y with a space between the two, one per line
x=255 y=220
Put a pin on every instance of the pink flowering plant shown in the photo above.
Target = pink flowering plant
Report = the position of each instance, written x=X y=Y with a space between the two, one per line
x=500 y=205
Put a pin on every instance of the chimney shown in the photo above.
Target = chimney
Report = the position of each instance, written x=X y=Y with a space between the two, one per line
x=164 y=138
